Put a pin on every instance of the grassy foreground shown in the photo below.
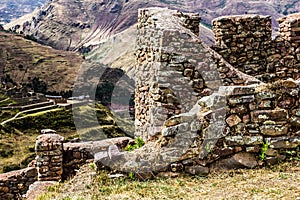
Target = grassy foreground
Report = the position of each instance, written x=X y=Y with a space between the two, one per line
x=279 y=182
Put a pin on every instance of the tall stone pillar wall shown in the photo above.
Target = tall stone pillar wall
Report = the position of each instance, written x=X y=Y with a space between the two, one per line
x=49 y=157
x=164 y=74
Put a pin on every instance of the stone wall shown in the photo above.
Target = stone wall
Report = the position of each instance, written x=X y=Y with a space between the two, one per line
x=254 y=116
x=174 y=68
x=200 y=103
x=14 y=184
x=49 y=157
x=55 y=160
x=245 y=42
x=289 y=28
x=77 y=154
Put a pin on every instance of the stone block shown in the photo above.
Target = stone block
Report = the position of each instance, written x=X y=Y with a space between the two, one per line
x=174 y=130
x=239 y=160
x=197 y=170
x=233 y=120
x=264 y=115
x=236 y=90
x=242 y=99
x=274 y=130
x=283 y=142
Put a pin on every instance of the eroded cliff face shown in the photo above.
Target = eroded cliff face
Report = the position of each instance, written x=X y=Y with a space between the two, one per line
x=78 y=25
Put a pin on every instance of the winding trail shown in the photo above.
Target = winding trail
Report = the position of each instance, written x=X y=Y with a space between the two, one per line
x=30 y=111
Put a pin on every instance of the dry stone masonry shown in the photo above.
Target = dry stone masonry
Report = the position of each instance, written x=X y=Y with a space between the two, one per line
x=14 y=184
x=230 y=115
x=174 y=68
x=246 y=43
x=198 y=108
x=49 y=157
x=289 y=28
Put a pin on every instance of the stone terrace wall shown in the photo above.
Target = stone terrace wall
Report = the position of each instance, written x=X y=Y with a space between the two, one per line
x=174 y=69
x=245 y=42
x=16 y=183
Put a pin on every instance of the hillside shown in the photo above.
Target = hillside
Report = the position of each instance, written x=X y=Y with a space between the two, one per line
x=13 y=9
x=73 y=25
x=26 y=62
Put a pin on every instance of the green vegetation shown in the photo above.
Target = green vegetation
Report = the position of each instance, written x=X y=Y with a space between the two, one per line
x=139 y=142
x=263 y=151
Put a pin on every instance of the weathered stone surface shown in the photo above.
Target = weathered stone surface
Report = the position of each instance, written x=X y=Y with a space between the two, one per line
x=173 y=130
x=240 y=160
x=233 y=120
x=168 y=174
x=295 y=121
x=223 y=152
x=197 y=170
x=178 y=119
x=255 y=149
x=275 y=160
x=236 y=90
x=214 y=101
x=283 y=142
x=253 y=140
x=242 y=99
x=265 y=115
x=266 y=95
x=274 y=130
x=243 y=140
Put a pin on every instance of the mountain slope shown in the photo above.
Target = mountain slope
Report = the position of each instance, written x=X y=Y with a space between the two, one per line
x=72 y=24
x=25 y=61
x=13 y=9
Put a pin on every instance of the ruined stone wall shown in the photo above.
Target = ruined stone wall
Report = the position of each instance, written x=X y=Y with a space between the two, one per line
x=254 y=116
x=16 y=183
x=77 y=154
x=289 y=28
x=245 y=42
x=174 y=68
x=55 y=160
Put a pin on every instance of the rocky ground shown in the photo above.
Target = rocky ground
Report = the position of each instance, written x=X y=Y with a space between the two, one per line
x=278 y=182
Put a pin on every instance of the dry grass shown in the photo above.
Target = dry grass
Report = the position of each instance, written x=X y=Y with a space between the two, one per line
x=279 y=182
